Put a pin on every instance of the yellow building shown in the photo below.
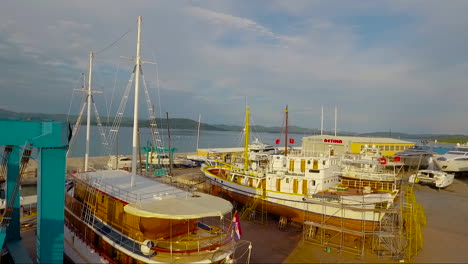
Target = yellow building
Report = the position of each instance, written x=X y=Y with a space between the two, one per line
x=342 y=144
x=223 y=154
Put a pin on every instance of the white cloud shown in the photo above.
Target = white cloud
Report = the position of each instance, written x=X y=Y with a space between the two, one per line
x=231 y=21
x=313 y=55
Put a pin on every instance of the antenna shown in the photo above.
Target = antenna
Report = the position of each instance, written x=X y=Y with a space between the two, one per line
x=336 y=117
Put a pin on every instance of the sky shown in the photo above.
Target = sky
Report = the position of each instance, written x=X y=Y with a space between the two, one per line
x=395 y=65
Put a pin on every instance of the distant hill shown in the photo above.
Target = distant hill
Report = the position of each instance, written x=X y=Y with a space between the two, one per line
x=189 y=124
x=411 y=136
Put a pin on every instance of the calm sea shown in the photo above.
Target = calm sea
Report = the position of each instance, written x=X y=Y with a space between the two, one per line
x=182 y=140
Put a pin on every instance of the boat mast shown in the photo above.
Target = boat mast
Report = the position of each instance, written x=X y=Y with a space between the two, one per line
x=246 y=143
x=198 y=133
x=321 y=123
x=286 y=134
x=135 y=108
x=88 y=119
x=170 y=150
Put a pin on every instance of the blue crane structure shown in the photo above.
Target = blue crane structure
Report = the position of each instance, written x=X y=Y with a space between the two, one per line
x=50 y=140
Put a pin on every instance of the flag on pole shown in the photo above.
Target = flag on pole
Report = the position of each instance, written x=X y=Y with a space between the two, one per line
x=237 y=227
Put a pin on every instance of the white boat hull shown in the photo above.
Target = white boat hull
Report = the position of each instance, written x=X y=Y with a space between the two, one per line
x=299 y=207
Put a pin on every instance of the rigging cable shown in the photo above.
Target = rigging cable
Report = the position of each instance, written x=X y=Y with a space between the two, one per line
x=113 y=43
x=112 y=94
x=73 y=93
x=158 y=92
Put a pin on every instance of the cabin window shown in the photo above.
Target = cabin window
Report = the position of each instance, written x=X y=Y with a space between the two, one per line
x=278 y=185
x=387 y=147
x=392 y=147
x=397 y=147
x=312 y=182
x=295 y=185
x=287 y=180
x=291 y=165
x=308 y=162
x=324 y=162
x=304 y=186
x=381 y=148
x=381 y=205
x=102 y=198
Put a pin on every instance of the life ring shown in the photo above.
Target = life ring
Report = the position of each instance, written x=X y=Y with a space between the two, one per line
x=147 y=247
x=383 y=161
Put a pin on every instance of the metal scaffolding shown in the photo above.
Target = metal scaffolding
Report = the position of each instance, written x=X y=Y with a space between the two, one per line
x=398 y=235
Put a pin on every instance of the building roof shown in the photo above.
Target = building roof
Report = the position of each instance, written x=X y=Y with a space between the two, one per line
x=222 y=150
x=367 y=140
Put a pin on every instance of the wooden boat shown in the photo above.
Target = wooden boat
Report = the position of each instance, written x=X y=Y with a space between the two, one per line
x=305 y=187
x=150 y=222
x=114 y=216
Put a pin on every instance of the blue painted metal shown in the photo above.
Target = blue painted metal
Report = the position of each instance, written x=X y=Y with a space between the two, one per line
x=51 y=139
x=50 y=204
x=13 y=230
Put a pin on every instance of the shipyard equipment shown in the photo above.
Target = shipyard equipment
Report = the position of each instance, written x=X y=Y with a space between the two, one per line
x=49 y=140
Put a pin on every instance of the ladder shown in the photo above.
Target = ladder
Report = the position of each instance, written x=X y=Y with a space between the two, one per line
x=249 y=210
x=90 y=203
x=9 y=208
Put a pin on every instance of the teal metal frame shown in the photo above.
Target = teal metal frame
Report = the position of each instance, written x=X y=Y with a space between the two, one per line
x=51 y=141
x=158 y=171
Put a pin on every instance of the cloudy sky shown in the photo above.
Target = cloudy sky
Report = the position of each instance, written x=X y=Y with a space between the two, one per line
x=387 y=65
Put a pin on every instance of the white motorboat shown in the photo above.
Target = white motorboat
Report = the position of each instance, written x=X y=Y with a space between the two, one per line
x=456 y=160
x=438 y=178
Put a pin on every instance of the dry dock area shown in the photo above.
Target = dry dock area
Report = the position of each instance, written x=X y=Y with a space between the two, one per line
x=445 y=236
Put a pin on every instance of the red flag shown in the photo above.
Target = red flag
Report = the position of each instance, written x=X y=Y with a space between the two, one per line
x=237 y=226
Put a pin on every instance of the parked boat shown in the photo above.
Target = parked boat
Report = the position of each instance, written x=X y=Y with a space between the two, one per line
x=259 y=150
x=149 y=222
x=154 y=158
x=456 y=160
x=114 y=216
x=120 y=162
x=370 y=165
x=439 y=179
x=416 y=157
x=305 y=187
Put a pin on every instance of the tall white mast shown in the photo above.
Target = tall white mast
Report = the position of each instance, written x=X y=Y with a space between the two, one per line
x=198 y=134
x=88 y=119
x=135 y=108
x=321 y=123
x=336 y=116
